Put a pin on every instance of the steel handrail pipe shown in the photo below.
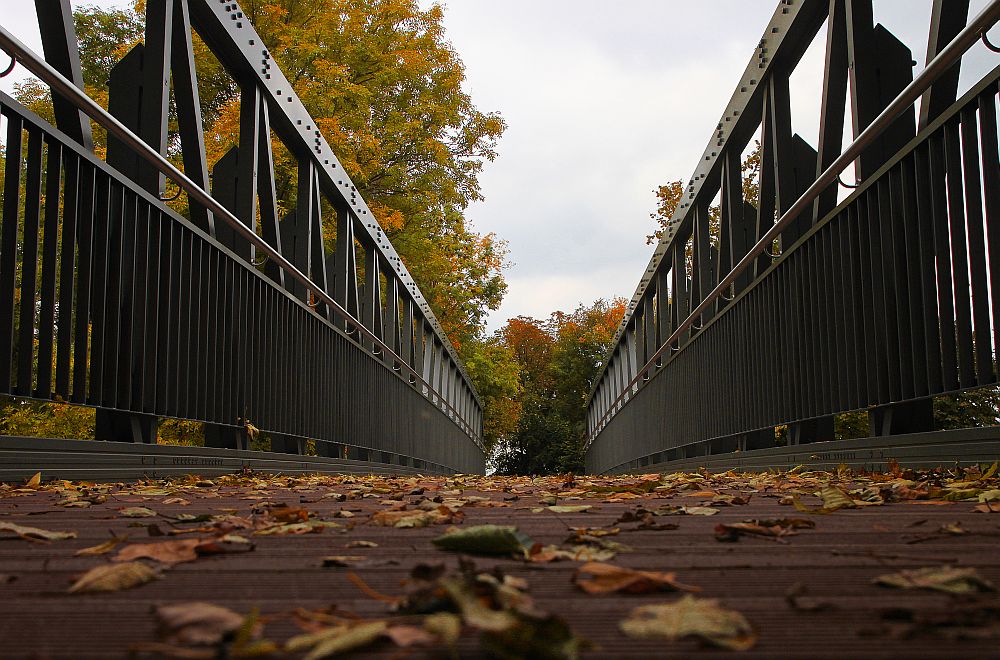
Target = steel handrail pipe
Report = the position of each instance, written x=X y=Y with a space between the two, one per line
x=944 y=60
x=65 y=88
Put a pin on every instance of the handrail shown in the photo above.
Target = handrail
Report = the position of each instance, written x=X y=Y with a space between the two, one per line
x=964 y=40
x=61 y=85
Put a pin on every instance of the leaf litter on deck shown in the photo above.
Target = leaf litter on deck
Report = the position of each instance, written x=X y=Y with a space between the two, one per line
x=439 y=607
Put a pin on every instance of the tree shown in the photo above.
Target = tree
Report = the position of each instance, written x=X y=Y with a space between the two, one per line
x=559 y=358
x=496 y=375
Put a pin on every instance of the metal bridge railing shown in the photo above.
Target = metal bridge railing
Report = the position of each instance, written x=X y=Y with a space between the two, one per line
x=111 y=299
x=866 y=306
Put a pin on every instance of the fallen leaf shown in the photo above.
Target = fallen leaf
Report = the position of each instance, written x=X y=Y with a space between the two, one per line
x=405 y=636
x=541 y=554
x=692 y=617
x=178 y=551
x=101 y=548
x=833 y=498
x=988 y=507
x=362 y=544
x=485 y=540
x=607 y=578
x=197 y=624
x=310 y=527
x=337 y=639
x=446 y=626
x=768 y=528
x=341 y=561
x=699 y=510
x=439 y=515
x=543 y=636
x=168 y=552
x=949 y=579
x=137 y=512
x=34 y=533
x=35 y=481
x=953 y=529
x=114 y=577
x=565 y=508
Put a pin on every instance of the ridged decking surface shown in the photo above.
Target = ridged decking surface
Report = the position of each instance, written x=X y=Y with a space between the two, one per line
x=282 y=575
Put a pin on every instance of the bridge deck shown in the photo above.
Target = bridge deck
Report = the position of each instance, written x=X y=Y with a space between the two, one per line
x=283 y=574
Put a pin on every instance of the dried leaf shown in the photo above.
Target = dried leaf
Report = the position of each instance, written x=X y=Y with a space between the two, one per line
x=338 y=639
x=114 y=577
x=439 y=515
x=565 y=508
x=606 y=578
x=446 y=626
x=699 y=510
x=485 y=540
x=405 y=636
x=101 y=548
x=768 y=528
x=341 y=561
x=35 y=481
x=34 y=533
x=168 y=552
x=196 y=624
x=833 y=498
x=362 y=544
x=939 y=578
x=310 y=527
x=692 y=617
x=541 y=636
x=137 y=512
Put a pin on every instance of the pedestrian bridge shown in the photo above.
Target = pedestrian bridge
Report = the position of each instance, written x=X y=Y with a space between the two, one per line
x=756 y=323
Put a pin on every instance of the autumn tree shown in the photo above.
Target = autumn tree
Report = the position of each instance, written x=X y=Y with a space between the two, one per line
x=560 y=357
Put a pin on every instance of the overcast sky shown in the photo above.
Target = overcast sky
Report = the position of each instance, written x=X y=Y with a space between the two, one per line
x=604 y=101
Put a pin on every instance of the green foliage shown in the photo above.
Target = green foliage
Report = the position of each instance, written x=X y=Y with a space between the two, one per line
x=496 y=375
x=974 y=408
x=46 y=420
x=181 y=432
x=559 y=358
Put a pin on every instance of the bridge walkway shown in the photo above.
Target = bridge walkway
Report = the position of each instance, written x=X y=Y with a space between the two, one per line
x=842 y=614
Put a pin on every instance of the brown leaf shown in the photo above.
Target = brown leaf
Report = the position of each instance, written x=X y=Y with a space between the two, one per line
x=101 y=548
x=114 y=577
x=34 y=533
x=169 y=552
x=440 y=515
x=137 y=512
x=606 y=578
x=341 y=561
x=35 y=481
x=939 y=578
x=769 y=528
x=196 y=624
x=362 y=544
x=692 y=617
x=337 y=639
x=405 y=636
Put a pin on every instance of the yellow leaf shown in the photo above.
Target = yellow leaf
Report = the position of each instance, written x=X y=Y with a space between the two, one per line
x=114 y=577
